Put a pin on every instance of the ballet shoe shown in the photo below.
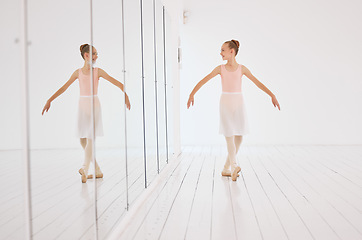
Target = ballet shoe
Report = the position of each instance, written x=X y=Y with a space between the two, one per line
x=226 y=173
x=84 y=176
x=98 y=175
x=235 y=174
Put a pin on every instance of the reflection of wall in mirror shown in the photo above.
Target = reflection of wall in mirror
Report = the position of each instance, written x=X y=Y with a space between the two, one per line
x=10 y=92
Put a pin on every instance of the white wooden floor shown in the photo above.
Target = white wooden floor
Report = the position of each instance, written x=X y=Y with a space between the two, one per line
x=63 y=207
x=284 y=192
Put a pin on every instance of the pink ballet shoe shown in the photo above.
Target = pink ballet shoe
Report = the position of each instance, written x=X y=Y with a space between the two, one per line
x=98 y=175
x=84 y=176
x=234 y=175
x=226 y=173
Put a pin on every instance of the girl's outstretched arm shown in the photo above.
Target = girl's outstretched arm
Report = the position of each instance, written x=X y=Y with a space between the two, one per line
x=60 y=91
x=104 y=75
x=247 y=73
x=214 y=72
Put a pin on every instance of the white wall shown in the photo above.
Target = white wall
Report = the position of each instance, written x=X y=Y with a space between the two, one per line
x=309 y=53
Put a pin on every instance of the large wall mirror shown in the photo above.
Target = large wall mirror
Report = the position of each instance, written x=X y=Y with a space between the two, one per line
x=12 y=221
x=131 y=45
x=62 y=207
x=134 y=87
x=111 y=188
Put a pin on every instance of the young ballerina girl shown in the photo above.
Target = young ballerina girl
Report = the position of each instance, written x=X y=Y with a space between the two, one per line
x=85 y=106
x=233 y=122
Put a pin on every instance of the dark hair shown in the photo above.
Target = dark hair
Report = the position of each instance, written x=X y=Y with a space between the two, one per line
x=84 y=49
x=234 y=44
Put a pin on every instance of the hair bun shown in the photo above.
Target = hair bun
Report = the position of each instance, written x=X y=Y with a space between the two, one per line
x=83 y=46
x=236 y=42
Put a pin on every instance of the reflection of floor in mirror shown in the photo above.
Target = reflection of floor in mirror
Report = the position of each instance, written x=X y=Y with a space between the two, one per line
x=63 y=207
x=12 y=197
x=284 y=192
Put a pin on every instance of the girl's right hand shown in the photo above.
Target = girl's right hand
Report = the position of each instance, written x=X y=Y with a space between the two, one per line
x=275 y=102
x=190 y=101
x=128 y=103
x=46 y=107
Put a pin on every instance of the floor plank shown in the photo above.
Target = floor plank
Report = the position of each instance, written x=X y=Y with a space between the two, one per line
x=182 y=204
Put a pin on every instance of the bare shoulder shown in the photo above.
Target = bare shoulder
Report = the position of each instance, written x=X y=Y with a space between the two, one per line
x=217 y=70
x=101 y=72
x=244 y=69
x=75 y=74
x=72 y=78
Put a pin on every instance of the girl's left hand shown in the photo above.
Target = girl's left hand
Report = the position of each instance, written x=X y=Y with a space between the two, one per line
x=46 y=107
x=275 y=102
x=127 y=102
x=190 y=101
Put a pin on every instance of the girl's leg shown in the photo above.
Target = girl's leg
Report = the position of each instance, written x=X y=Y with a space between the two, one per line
x=237 y=142
x=235 y=169
x=88 y=147
x=231 y=152
x=88 y=155
x=88 y=158
x=83 y=142
x=98 y=171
